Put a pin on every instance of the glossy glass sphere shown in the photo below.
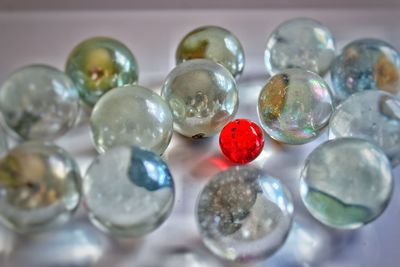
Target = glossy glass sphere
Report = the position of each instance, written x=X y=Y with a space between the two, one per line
x=300 y=43
x=373 y=115
x=241 y=141
x=39 y=186
x=346 y=182
x=131 y=115
x=244 y=214
x=366 y=64
x=295 y=106
x=39 y=102
x=3 y=142
x=203 y=97
x=215 y=43
x=128 y=191
x=99 y=64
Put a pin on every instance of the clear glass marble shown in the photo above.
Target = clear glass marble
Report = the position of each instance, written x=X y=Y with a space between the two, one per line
x=39 y=186
x=203 y=97
x=128 y=191
x=295 y=106
x=3 y=142
x=300 y=43
x=215 y=43
x=131 y=115
x=366 y=64
x=346 y=182
x=244 y=214
x=39 y=102
x=99 y=64
x=373 y=115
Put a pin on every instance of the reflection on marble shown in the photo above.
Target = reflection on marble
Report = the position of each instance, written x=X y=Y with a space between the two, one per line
x=76 y=244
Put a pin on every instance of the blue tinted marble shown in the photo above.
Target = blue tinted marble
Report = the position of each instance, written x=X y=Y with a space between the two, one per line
x=147 y=170
x=366 y=64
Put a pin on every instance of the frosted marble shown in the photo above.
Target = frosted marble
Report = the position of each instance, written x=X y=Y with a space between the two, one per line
x=131 y=115
x=300 y=43
x=39 y=102
x=128 y=191
x=373 y=115
x=346 y=183
x=244 y=214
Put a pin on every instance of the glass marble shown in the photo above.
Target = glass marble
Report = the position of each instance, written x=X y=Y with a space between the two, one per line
x=214 y=43
x=100 y=64
x=3 y=142
x=346 y=182
x=366 y=64
x=295 y=106
x=128 y=191
x=203 y=97
x=39 y=102
x=300 y=43
x=373 y=115
x=131 y=115
x=39 y=186
x=244 y=214
x=241 y=141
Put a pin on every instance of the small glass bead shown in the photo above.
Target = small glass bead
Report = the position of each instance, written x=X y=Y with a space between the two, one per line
x=346 y=182
x=373 y=115
x=131 y=115
x=39 y=102
x=295 y=106
x=300 y=43
x=215 y=43
x=128 y=191
x=366 y=64
x=241 y=141
x=39 y=186
x=203 y=97
x=244 y=214
x=98 y=65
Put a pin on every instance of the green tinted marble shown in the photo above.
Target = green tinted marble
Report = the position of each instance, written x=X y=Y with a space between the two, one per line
x=39 y=186
x=99 y=64
x=346 y=182
x=202 y=96
x=215 y=43
x=295 y=106
x=131 y=115
x=39 y=102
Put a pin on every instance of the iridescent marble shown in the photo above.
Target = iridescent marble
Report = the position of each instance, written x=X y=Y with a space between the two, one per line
x=244 y=214
x=131 y=115
x=300 y=43
x=295 y=106
x=99 y=64
x=214 y=43
x=39 y=186
x=366 y=64
x=203 y=97
x=346 y=183
x=128 y=191
x=373 y=115
x=39 y=102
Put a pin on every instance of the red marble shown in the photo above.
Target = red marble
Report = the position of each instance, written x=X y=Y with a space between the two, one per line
x=241 y=141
